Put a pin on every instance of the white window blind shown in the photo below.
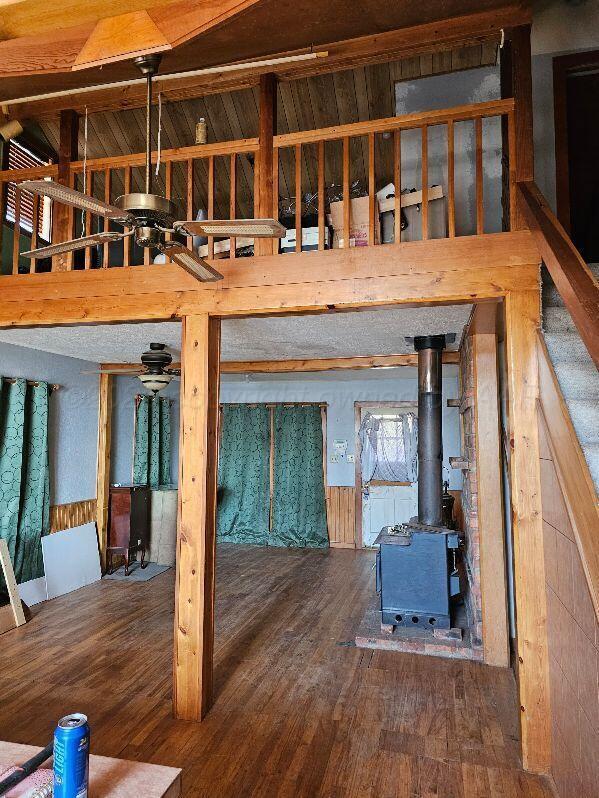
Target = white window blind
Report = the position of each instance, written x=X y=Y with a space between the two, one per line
x=21 y=157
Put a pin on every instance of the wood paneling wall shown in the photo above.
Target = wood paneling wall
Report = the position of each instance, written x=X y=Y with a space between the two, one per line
x=573 y=644
x=66 y=516
x=341 y=517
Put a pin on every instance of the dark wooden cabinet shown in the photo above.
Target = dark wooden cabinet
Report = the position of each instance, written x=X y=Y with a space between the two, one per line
x=128 y=523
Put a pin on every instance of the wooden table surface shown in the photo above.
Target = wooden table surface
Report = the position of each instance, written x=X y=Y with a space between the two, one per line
x=110 y=778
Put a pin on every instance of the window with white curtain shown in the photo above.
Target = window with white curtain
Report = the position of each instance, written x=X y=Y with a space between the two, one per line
x=389 y=447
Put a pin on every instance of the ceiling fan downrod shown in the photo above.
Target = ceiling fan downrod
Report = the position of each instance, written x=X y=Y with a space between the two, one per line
x=148 y=65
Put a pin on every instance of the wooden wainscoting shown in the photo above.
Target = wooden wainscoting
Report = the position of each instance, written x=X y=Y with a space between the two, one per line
x=341 y=517
x=66 y=516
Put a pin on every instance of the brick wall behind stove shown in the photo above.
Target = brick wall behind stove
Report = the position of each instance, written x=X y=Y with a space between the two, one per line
x=469 y=496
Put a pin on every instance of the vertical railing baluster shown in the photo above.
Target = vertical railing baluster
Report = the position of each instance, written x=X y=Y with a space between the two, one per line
x=233 y=202
x=126 y=241
x=189 y=199
x=451 y=178
x=424 y=153
x=89 y=187
x=70 y=259
x=211 y=202
x=107 y=193
x=397 y=184
x=3 y=190
x=34 y=230
x=321 y=197
x=346 y=196
x=480 y=219
x=16 y=237
x=511 y=126
x=298 y=197
x=275 y=194
x=371 y=191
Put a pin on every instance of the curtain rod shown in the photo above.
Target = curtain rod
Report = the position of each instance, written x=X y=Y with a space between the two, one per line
x=33 y=383
x=277 y=404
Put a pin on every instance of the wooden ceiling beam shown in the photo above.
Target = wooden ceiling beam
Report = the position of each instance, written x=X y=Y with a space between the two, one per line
x=476 y=28
x=306 y=364
x=465 y=269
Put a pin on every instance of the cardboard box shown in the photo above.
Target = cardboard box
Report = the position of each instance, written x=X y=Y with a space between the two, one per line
x=309 y=239
x=358 y=223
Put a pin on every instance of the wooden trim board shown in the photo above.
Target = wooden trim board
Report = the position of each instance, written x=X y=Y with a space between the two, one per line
x=11 y=586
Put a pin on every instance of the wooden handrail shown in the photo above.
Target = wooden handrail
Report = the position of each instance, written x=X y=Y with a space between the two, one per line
x=406 y=122
x=572 y=277
x=573 y=473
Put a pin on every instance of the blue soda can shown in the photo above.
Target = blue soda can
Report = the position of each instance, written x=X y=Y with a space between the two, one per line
x=71 y=757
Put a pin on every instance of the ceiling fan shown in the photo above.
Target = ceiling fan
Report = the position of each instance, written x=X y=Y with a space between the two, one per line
x=155 y=371
x=147 y=216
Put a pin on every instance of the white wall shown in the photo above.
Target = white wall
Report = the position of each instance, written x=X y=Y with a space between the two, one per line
x=73 y=420
x=338 y=389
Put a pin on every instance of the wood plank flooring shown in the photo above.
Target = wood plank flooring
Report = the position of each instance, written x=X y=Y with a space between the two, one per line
x=300 y=712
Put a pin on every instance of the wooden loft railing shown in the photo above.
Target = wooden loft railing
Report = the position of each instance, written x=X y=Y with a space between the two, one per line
x=314 y=159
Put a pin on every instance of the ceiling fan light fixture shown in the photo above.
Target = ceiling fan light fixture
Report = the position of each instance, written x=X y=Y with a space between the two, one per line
x=155 y=382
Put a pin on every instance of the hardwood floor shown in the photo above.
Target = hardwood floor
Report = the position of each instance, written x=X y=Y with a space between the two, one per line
x=299 y=713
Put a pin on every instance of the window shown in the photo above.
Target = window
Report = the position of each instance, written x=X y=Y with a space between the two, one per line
x=389 y=442
x=22 y=157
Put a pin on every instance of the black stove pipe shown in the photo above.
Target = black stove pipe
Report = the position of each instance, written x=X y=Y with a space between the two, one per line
x=430 y=441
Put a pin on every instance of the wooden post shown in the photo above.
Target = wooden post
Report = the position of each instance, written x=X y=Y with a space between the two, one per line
x=489 y=487
x=522 y=319
x=267 y=128
x=198 y=463
x=62 y=215
x=516 y=82
x=103 y=468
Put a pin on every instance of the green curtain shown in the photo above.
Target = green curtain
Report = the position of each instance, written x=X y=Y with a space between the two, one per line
x=243 y=475
x=299 y=510
x=24 y=475
x=152 y=447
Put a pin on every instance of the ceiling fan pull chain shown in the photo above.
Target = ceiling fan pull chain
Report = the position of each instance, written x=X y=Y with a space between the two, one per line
x=159 y=132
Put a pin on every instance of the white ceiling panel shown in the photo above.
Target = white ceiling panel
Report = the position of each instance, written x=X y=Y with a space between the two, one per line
x=375 y=332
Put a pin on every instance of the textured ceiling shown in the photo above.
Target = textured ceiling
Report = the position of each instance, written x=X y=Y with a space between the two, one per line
x=376 y=332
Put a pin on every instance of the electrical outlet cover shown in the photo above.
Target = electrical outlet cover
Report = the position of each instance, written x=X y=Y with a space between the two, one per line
x=351 y=458
x=334 y=458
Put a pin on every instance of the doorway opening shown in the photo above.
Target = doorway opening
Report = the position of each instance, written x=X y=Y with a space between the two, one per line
x=576 y=88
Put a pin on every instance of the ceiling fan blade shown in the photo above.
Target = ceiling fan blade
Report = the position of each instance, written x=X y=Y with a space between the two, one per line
x=124 y=372
x=71 y=246
x=250 y=228
x=68 y=196
x=191 y=262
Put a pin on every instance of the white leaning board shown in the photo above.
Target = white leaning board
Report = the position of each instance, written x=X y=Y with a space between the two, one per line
x=34 y=591
x=71 y=559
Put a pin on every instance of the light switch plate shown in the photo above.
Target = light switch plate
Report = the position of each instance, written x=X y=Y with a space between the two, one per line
x=334 y=458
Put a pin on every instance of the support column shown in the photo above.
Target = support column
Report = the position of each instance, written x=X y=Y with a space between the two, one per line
x=196 y=538
x=489 y=488
x=264 y=201
x=516 y=82
x=522 y=319
x=103 y=467
x=62 y=215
